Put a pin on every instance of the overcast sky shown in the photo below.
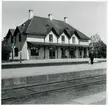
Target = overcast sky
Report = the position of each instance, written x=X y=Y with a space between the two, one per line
x=87 y=17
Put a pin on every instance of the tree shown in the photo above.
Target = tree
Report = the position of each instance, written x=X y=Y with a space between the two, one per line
x=100 y=49
x=99 y=46
x=6 y=50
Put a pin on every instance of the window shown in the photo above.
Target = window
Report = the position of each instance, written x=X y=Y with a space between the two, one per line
x=19 y=37
x=15 y=39
x=16 y=52
x=51 y=38
x=63 y=38
x=73 y=39
x=35 y=52
x=11 y=39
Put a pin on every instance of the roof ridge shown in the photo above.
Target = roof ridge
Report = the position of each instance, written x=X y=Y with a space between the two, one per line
x=48 y=18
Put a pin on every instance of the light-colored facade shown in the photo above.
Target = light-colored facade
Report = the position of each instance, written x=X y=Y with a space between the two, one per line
x=47 y=46
x=52 y=49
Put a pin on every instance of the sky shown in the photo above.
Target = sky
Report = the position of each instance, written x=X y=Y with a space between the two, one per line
x=87 y=17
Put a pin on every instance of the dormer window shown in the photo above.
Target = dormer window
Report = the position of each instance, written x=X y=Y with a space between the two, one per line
x=50 y=38
x=47 y=26
x=73 y=39
x=23 y=25
x=63 y=38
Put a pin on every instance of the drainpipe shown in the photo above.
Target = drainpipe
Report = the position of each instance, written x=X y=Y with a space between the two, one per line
x=20 y=49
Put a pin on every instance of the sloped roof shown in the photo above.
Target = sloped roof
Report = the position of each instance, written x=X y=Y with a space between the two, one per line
x=10 y=32
x=81 y=35
x=41 y=26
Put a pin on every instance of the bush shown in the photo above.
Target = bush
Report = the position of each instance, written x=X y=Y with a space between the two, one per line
x=6 y=50
x=100 y=49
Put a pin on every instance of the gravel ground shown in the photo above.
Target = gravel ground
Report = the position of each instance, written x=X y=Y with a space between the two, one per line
x=69 y=96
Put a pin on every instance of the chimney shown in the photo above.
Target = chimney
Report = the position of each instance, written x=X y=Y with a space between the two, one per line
x=50 y=16
x=66 y=19
x=30 y=13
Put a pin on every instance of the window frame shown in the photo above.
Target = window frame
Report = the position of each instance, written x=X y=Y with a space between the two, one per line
x=16 y=52
x=35 y=52
x=50 y=37
x=63 y=38
x=73 y=40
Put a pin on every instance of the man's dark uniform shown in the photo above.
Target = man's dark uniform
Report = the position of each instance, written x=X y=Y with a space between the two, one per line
x=91 y=56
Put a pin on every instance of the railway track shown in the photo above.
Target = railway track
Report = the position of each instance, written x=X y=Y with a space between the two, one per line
x=23 y=92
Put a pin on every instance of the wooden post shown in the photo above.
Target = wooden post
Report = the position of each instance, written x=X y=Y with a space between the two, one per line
x=57 y=52
x=12 y=51
x=20 y=54
x=69 y=52
x=20 y=48
x=44 y=52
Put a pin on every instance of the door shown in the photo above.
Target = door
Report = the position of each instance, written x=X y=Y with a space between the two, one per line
x=52 y=54
x=72 y=53
x=63 y=53
x=85 y=53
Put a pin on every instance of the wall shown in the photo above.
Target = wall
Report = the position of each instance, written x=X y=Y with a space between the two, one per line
x=77 y=53
x=9 y=41
x=41 y=53
x=33 y=38
x=46 y=54
x=10 y=45
x=76 y=39
x=54 y=38
x=67 y=53
x=22 y=46
x=66 y=39
x=26 y=52
x=59 y=52
x=84 y=42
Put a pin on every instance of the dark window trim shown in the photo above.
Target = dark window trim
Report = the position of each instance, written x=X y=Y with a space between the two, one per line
x=16 y=52
x=50 y=38
x=34 y=52
x=63 y=38
x=73 y=40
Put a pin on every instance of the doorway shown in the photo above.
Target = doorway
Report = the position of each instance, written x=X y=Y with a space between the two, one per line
x=72 y=53
x=63 y=55
x=52 y=53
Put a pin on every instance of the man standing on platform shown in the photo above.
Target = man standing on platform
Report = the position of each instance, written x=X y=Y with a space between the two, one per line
x=91 y=56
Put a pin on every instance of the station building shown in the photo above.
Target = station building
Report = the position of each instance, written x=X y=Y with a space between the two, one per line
x=47 y=38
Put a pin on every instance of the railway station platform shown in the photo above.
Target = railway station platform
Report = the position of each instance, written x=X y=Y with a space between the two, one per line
x=26 y=81
x=48 y=62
